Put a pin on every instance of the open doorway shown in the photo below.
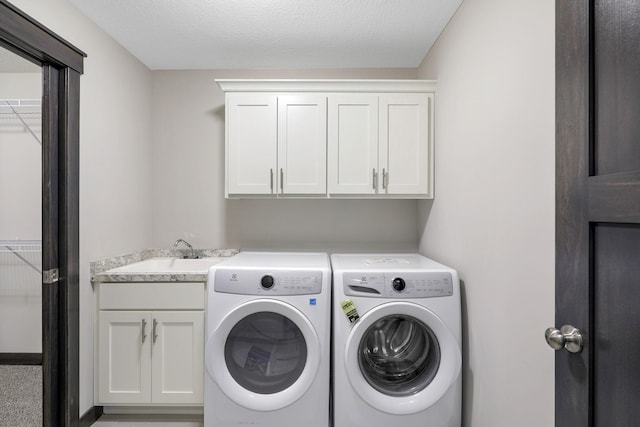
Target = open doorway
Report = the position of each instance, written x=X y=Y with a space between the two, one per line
x=20 y=240
x=61 y=65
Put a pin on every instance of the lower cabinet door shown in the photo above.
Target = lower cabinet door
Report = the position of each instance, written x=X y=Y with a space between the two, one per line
x=177 y=357
x=124 y=357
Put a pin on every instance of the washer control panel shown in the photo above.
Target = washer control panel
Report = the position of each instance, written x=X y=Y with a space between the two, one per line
x=406 y=285
x=278 y=282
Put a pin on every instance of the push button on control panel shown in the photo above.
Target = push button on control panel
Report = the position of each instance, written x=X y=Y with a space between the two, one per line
x=398 y=284
x=267 y=281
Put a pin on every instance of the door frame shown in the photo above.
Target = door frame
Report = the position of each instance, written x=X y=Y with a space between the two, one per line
x=62 y=65
x=573 y=250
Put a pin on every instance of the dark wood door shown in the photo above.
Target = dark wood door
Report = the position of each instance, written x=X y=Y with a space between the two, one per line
x=598 y=210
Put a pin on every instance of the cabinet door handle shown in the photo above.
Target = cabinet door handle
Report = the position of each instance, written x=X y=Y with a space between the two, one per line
x=385 y=179
x=144 y=326
x=271 y=180
x=155 y=326
x=375 y=179
x=281 y=181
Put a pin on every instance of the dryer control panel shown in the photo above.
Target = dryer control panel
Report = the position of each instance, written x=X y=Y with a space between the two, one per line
x=398 y=285
x=261 y=282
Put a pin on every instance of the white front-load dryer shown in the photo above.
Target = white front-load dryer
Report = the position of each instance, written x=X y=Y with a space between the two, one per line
x=396 y=342
x=267 y=354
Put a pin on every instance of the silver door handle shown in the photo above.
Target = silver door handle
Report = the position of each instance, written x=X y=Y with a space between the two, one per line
x=281 y=181
x=155 y=326
x=271 y=180
x=385 y=179
x=375 y=179
x=144 y=326
x=567 y=337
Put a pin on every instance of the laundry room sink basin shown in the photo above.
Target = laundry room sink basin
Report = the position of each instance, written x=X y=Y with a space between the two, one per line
x=169 y=265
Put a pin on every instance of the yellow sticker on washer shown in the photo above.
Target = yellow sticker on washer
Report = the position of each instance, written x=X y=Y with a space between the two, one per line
x=349 y=309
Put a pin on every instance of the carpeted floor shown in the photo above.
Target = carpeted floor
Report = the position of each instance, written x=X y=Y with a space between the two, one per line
x=20 y=396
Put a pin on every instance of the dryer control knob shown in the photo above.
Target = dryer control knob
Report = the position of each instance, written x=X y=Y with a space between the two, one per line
x=267 y=281
x=399 y=284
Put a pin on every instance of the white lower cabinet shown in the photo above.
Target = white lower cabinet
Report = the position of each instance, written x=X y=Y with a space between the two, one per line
x=177 y=373
x=124 y=372
x=150 y=357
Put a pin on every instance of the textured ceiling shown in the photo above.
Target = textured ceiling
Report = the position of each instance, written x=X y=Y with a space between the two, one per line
x=219 y=34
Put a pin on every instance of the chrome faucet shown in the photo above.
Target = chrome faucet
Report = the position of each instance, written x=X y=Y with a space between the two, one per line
x=192 y=252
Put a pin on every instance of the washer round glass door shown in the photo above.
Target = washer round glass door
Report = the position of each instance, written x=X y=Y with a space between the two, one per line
x=264 y=354
x=401 y=358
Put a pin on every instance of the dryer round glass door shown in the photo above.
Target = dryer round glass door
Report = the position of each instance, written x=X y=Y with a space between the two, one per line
x=401 y=358
x=264 y=354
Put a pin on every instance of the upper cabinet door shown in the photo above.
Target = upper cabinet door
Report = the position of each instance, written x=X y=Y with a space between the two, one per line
x=406 y=143
x=353 y=143
x=302 y=144
x=251 y=143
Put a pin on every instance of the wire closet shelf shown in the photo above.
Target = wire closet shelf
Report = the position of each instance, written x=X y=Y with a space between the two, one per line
x=20 y=267
x=22 y=114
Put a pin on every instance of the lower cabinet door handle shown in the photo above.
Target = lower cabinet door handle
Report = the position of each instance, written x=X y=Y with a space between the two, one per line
x=144 y=326
x=154 y=332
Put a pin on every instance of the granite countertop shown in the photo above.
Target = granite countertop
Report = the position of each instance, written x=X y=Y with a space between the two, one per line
x=110 y=269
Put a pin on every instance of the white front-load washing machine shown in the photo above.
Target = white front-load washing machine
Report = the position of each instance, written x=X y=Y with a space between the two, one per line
x=267 y=354
x=396 y=342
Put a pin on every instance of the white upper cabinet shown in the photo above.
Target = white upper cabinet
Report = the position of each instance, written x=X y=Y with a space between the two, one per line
x=252 y=138
x=353 y=143
x=406 y=154
x=276 y=145
x=329 y=138
x=302 y=144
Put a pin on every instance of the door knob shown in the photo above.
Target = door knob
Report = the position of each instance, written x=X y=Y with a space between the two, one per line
x=567 y=337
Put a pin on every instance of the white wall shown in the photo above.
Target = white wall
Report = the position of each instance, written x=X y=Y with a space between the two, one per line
x=115 y=145
x=188 y=177
x=493 y=214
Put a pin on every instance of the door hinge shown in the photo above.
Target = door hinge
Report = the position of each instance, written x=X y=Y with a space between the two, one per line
x=50 y=276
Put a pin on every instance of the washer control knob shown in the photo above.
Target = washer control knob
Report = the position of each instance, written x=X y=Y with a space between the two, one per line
x=399 y=284
x=267 y=281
